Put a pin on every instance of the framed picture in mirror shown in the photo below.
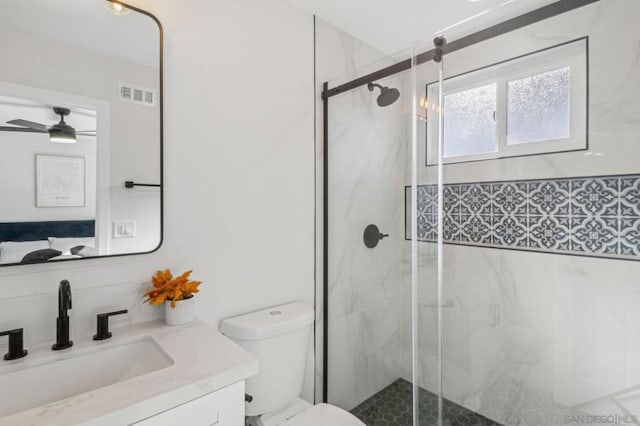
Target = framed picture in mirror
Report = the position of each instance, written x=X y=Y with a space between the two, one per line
x=60 y=181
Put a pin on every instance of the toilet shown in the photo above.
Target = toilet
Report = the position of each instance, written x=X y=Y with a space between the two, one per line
x=280 y=338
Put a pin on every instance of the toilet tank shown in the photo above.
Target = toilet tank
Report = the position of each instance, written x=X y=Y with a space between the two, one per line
x=279 y=337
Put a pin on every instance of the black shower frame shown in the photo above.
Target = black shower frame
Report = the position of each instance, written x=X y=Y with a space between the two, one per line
x=554 y=9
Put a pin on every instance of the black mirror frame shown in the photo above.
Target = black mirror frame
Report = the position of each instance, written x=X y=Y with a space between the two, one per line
x=161 y=184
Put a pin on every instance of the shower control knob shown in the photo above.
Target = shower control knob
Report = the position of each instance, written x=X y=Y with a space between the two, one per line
x=372 y=236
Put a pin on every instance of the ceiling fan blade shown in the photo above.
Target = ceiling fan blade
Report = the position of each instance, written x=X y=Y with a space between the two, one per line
x=20 y=129
x=86 y=133
x=30 y=124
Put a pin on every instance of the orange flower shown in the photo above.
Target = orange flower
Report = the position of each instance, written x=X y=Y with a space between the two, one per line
x=165 y=287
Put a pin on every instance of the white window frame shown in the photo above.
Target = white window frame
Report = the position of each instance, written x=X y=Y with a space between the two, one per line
x=572 y=55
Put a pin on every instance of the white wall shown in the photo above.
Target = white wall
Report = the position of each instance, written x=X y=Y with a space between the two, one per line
x=239 y=164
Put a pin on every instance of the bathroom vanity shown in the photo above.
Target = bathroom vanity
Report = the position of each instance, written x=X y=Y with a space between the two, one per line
x=146 y=374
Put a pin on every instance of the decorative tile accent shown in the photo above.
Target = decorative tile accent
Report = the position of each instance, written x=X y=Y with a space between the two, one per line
x=548 y=198
x=510 y=231
x=629 y=197
x=592 y=216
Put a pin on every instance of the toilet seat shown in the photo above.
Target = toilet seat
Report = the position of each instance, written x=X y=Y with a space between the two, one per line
x=324 y=415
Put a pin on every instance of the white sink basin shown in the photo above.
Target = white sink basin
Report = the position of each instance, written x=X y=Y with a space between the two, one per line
x=42 y=384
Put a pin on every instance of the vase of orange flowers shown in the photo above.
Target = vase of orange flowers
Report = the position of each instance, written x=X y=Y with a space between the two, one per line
x=176 y=294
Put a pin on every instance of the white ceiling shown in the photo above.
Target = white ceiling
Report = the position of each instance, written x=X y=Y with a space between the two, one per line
x=394 y=25
x=85 y=24
x=388 y=25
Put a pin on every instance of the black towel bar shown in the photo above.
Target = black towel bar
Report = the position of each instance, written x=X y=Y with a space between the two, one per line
x=131 y=184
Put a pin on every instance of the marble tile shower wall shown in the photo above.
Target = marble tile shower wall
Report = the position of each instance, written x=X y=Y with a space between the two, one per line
x=367 y=160
x=592 y=216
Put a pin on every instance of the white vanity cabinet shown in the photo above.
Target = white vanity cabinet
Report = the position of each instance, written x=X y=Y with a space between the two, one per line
x=224 y=407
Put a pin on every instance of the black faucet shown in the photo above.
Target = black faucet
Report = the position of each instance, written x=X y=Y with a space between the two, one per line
x=62 y=329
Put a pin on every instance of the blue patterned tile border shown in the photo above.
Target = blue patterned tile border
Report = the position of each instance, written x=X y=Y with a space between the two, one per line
x=592 y=216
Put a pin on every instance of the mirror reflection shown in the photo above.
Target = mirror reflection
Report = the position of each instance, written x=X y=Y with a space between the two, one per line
x=80 y=130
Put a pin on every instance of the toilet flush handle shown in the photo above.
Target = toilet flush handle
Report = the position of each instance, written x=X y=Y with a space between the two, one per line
x=247 y=397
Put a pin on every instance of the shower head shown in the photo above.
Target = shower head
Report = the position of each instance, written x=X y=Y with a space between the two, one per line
x=388 y=95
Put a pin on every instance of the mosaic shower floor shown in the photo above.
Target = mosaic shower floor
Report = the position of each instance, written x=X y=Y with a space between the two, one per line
x=392 y=406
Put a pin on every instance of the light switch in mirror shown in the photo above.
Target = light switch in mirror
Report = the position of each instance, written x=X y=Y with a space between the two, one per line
x=80 y=130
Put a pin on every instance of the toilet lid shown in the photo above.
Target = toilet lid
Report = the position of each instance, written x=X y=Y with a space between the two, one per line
x=324 y=415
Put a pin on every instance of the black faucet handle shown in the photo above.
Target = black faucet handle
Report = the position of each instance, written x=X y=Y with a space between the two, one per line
x=64 y=297
x=62 y=323
x=102 y=328
x=16 y=346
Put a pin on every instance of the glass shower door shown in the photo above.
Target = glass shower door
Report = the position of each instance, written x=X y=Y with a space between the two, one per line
x=369 y=287
x=541 y=221
x=423 y=212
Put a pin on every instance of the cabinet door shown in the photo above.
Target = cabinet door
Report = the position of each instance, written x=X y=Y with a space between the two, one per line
x=224 y=407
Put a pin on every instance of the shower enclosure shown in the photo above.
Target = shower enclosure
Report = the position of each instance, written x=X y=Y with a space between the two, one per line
x=500 y=283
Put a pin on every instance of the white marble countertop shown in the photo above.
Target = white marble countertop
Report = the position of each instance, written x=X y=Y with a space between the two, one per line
x=203 y=361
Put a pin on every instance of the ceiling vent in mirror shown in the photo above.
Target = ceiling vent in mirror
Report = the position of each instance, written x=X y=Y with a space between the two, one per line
x=138 y=95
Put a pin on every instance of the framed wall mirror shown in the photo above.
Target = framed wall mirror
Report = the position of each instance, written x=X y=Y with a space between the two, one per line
x=80 y=130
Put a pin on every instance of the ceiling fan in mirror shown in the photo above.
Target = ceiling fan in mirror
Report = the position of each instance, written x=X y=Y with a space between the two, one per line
x=60 y=132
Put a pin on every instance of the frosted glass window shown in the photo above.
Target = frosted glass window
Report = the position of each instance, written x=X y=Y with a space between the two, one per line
x=533 y=104
x=538 y=107
x=469 y=121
